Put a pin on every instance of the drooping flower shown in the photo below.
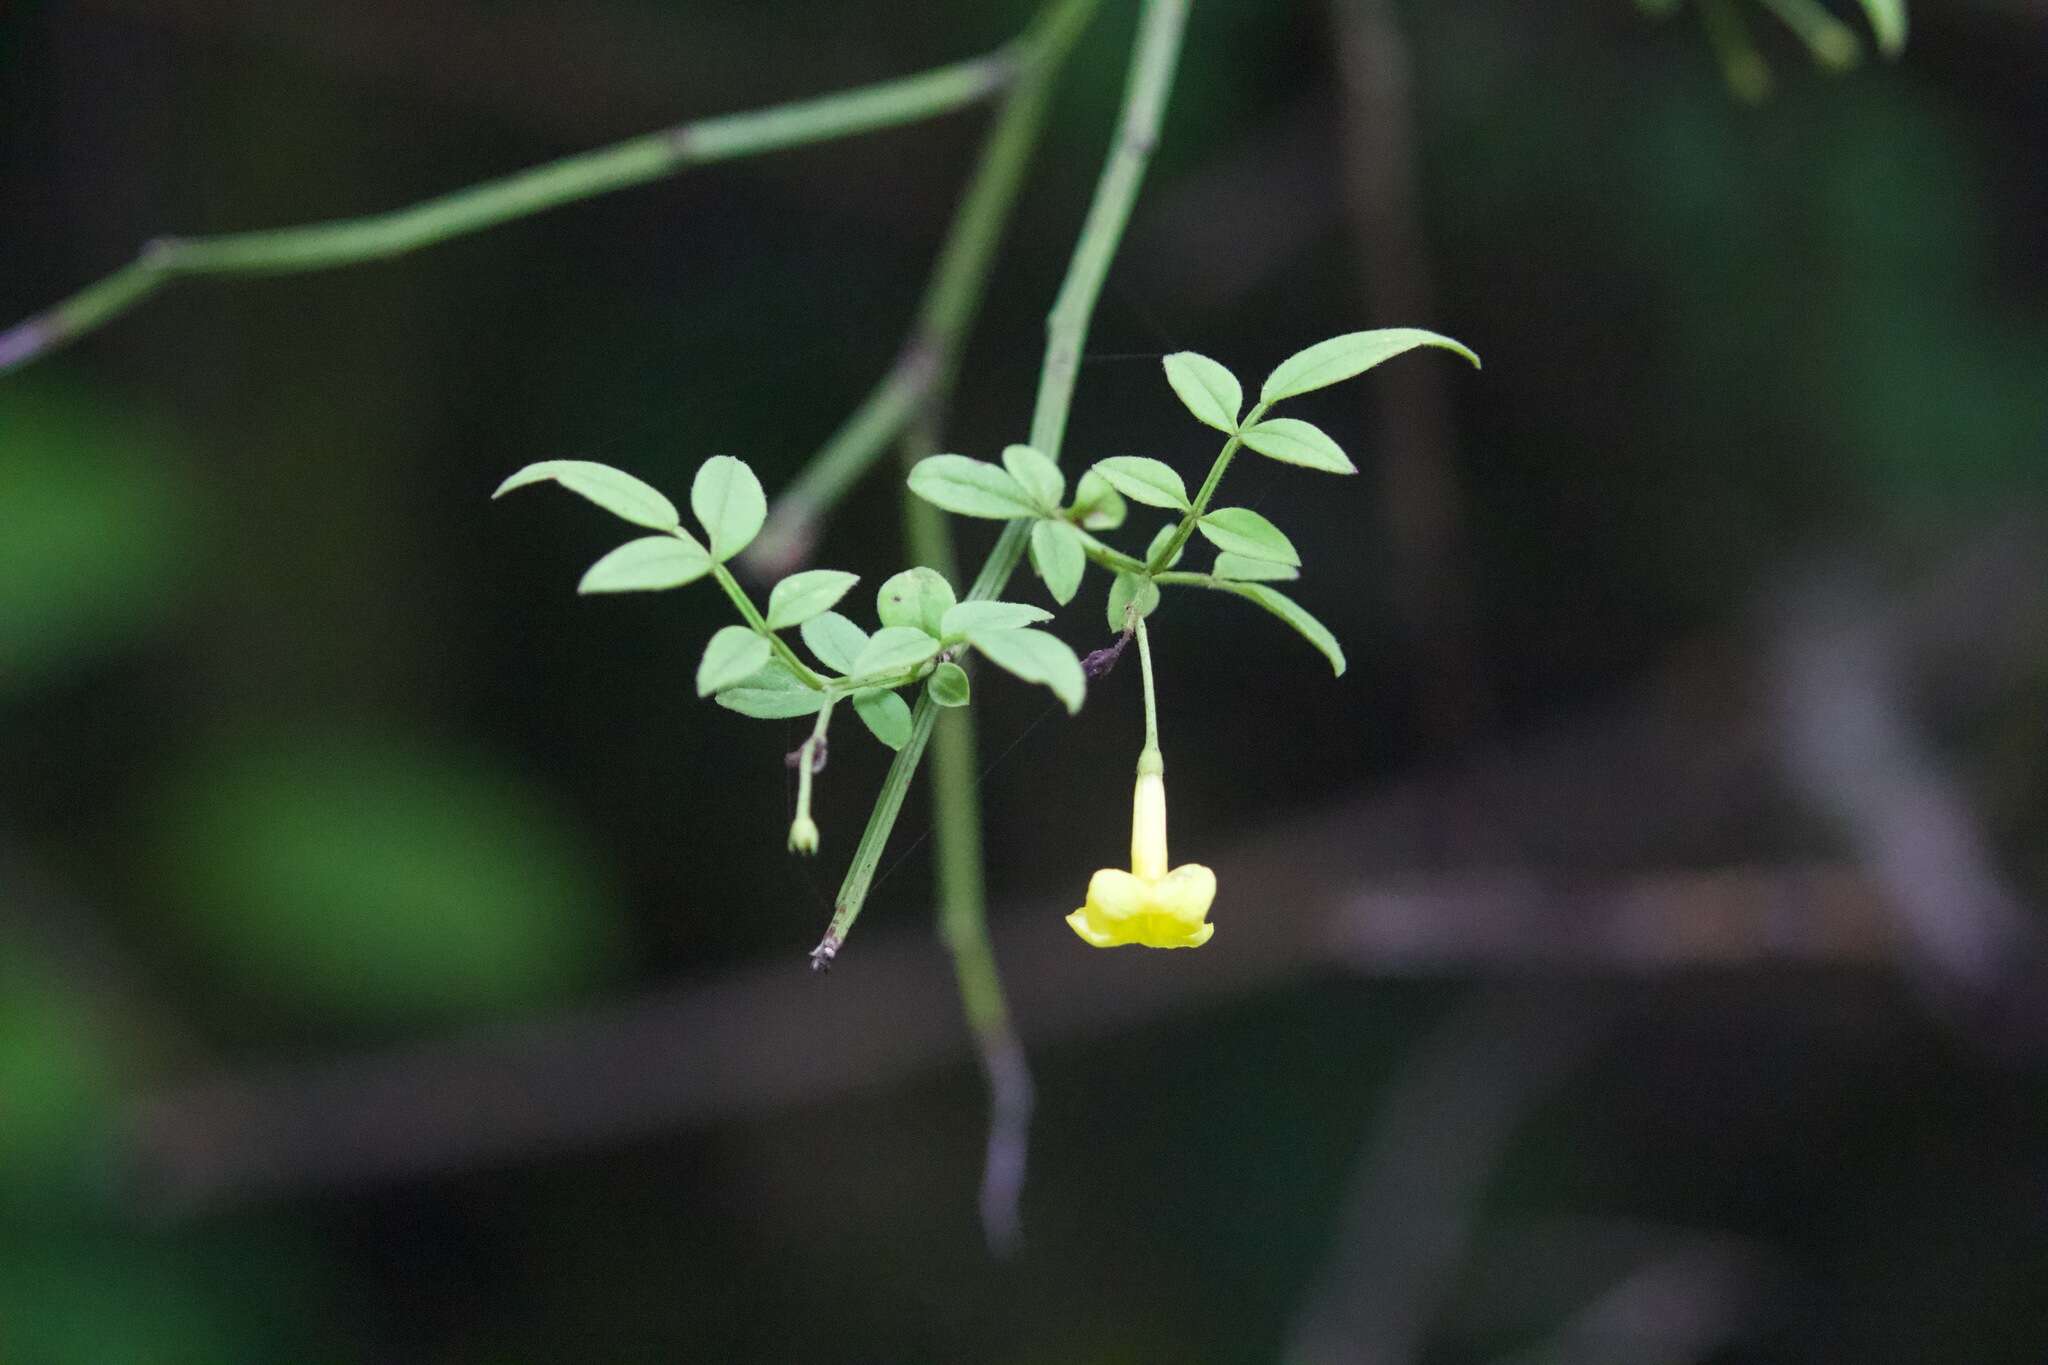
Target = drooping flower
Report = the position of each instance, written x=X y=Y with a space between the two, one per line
x=1148 y=905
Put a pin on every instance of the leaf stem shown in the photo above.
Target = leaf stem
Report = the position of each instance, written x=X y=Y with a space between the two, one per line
x=754 y=619
x=636 y=161
x=1154 y=59
x=1208 y=490
x=952 y=298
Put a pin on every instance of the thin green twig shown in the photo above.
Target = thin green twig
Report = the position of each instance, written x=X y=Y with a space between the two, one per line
x=1208 y=490
x=930 y=355
x=652 y=156
x=1154 y=60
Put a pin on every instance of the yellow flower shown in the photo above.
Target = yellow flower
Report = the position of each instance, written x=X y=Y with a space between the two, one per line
x=1148 y=905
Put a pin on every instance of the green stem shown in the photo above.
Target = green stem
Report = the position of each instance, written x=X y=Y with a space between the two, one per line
x=1208 y=490
x=806 y=761
x=753 y=618
x=953 y=297
x=1108 y=557
x=1153 y=62
x=637 y=161
x=1151 y=702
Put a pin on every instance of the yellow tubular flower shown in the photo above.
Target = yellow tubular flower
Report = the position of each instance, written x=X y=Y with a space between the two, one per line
x=1148 y=905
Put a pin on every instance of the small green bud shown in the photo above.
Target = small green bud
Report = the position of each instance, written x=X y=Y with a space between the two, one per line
x=803 y=836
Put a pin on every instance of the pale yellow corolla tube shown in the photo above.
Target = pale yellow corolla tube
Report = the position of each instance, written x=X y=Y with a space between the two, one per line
x=1148 y=905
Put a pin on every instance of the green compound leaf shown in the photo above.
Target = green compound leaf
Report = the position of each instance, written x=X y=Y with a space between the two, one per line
x=734 y=654
x=1888 y=21
x=1159 y=543
x=1131 y=588
x=1290 y=611
x=893 y=649
x=1057 y=554
x=1097 y=504
x=885 y=715
x=1144 y=480
x=917 y=597
x=771 y=693
x=1339 y=358
x=1210 y=391
x=971 y=488
x=648 y=564
x=1293 y=441
x=990 y=616
x=948 y=685
x=1246 y=570
x=616 y=491
x=1037 y=475
x=1244 y=532
x=1035 y=657
x=835 y=640
x=728 y=503
x=799 y=597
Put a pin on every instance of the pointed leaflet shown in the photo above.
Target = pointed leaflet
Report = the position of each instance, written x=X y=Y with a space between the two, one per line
x=948 y=685
x=1247 y=570
x=1339 y=358
x=1038 y=476
x=1144 y=480
x=771 y=692
x=1290 y=611
x=1211 y=392
x=616 y=491
x=885 y=714
x=894 y=649
x=1035 y=657
x=1244 y=532
x=734 y=653
x=1293 y=441
x=1057 y=555
x=728 y=503
x=917 y=597
x=835 y=640
x=971 y=488
x=973 y=615
x=647 y=565
x=801 y=596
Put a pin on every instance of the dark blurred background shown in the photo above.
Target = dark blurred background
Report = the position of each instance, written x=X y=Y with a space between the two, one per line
x=1635 y=957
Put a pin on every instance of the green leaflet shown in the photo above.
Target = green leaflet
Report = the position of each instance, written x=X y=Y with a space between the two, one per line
x=835 y=640
x=801 y=596
x=1243 y=531
x=1057 y=554
x=885 y=714
x=734 y=654
x=616 y=491
x=971 y=488
x=1293 y=441
x=1339 y=358
x=648 y=564
x=728 y=503
x=1035 y=657
x=1210 y=391
x=1145 y=480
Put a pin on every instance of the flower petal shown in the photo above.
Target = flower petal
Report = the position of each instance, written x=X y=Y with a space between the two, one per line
x=1115 y=894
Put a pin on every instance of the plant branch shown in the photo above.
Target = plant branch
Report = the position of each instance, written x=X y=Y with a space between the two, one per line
x=1208 y=490
x=755 y=621
x=636 y=161
x=1153 y=63
x=930 y=356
